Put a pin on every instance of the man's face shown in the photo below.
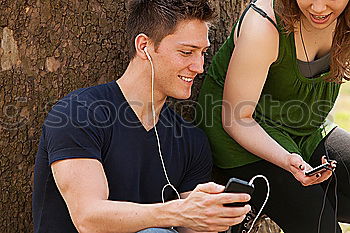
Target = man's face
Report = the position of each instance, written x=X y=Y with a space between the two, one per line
x=179 y=58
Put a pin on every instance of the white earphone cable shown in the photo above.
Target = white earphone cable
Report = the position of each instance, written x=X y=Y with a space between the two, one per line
x=267 y=197
x=156 y=132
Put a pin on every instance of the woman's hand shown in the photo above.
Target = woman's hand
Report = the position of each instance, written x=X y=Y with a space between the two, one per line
x=297 y=166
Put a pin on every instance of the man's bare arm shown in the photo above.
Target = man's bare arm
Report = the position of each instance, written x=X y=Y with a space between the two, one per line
x=83 y=185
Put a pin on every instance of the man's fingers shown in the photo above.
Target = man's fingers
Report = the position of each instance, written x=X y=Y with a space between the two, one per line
x=210 y=187
x=233 y=212
x=232 y=221
x=237 y=211
x=226 y=198
x=223 y=223
x=207 y=207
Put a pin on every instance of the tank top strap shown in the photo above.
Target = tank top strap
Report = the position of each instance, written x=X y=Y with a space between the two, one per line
x=258 y=10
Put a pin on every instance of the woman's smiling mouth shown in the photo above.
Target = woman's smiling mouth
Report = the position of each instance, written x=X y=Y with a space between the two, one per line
x=320 y=19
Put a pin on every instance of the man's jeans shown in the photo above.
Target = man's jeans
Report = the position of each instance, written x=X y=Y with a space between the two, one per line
x=158 y=230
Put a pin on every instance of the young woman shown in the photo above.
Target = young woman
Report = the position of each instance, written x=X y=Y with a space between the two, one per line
x=264 y=105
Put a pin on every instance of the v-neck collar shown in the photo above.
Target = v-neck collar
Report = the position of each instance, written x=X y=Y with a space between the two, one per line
x=131 y=113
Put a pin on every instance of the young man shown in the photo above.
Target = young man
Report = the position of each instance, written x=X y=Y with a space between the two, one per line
x=102 y=165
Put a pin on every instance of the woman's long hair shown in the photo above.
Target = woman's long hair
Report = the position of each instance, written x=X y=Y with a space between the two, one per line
x=289 y=12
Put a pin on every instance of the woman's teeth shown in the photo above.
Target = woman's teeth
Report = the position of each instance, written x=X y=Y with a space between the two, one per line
x=320 y=17
x=185 y=79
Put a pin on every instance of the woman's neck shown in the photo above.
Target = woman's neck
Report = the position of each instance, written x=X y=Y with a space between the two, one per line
x=317 y=42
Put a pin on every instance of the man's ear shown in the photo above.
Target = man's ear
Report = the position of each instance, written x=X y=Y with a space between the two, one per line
x=141 y=42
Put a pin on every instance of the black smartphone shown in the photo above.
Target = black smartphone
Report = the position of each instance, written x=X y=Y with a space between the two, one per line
x=235 y=185
x=321 y=168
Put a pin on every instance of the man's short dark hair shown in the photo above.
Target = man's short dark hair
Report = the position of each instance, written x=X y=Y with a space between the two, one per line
x=159 y=18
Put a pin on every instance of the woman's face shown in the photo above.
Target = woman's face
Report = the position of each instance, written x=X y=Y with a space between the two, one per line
x=321 y=13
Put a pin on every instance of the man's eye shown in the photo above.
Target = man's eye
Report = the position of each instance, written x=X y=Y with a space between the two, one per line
x=186 y=52
x=204 y=53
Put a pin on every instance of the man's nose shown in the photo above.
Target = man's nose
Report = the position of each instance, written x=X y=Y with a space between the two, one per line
x=197 y=64
x=319 y=6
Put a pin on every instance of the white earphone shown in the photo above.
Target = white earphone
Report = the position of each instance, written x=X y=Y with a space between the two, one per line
x=147 y=54
x=156 y=132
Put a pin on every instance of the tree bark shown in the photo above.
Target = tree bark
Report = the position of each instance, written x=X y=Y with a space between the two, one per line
x=48 y=49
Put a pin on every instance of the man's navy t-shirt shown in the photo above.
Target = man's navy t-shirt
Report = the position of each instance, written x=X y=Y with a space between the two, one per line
x=99 y=123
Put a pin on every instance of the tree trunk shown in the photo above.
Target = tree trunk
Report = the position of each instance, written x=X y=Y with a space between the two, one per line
x=48 y=49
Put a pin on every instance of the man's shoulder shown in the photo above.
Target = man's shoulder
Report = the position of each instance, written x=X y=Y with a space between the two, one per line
x=90 y=94
x=96 y=104
x=92 y=98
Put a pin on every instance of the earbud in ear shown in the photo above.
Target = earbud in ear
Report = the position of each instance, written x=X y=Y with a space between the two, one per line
x=147 y=54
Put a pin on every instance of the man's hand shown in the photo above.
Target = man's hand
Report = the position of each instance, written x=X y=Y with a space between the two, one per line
x=297 y=166
x=203 y=209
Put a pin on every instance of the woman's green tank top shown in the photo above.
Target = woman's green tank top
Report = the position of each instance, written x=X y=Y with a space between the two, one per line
x=292 y=109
